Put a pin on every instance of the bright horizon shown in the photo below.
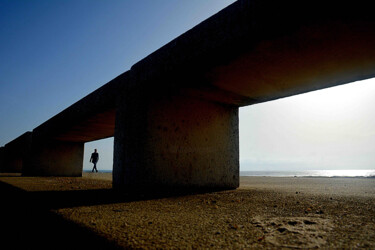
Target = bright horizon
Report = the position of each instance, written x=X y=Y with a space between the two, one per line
x=327 y=129
x=54 y=53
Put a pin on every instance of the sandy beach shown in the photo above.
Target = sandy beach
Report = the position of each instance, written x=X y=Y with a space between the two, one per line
x=265 y=212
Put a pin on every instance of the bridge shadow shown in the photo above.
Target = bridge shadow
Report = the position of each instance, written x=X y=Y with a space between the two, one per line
x=92 y=197
x=10 y=174
x=29 y=223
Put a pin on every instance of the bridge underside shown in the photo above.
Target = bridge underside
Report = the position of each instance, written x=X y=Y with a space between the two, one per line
x=312 y=58
x=174 y=114
x=62 y=153
x=96 y=127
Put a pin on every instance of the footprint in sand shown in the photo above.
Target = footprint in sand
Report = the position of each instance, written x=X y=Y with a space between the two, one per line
x=295 y=232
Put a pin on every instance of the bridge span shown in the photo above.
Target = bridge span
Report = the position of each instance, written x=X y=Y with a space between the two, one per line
x=174 y=114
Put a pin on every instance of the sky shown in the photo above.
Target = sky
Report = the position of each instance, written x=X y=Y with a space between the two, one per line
x=53 y=53
x=326 y=129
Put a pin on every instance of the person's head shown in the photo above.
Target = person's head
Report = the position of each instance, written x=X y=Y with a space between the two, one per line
x=95 y=150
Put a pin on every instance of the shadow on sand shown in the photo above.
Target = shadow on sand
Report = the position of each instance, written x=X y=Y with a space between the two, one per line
x=28 y=222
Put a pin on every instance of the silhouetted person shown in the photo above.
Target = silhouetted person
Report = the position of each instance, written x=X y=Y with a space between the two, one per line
x=94 y=159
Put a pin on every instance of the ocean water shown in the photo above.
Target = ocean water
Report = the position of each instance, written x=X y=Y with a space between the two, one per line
x=100 y=171
x=369 y=173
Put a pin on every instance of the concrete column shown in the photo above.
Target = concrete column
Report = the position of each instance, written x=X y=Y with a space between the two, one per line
x=54 y=158
x=13 y=162
x=2 y=159
x=15 y=153
x=176 y=141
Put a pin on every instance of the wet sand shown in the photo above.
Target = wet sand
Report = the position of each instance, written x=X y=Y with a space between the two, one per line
x=265 y=212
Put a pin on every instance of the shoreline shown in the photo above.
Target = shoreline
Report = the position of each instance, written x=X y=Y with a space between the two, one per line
x=279 y=174
x=264 y=212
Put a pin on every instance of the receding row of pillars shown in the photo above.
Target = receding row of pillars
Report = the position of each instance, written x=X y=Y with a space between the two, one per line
x=177 y=141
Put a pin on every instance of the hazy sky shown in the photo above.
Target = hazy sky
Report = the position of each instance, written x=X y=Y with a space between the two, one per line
x=326 y=129
x=53 y=53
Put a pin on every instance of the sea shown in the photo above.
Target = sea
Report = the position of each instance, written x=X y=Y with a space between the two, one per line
x=364 y=173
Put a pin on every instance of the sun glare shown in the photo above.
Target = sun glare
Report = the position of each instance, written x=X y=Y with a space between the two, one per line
x=346 y=96
x=332 y=128
x=345 y=172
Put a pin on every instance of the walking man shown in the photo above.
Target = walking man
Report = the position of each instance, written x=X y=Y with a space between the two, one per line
x=94 y=159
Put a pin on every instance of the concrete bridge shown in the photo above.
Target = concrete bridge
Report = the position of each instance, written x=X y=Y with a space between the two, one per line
x=174 y=114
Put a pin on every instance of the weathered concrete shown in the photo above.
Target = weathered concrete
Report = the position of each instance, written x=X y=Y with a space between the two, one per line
x=91 y=118
x=257 y=51
x=54 y=158
x=16 y=153
x=175 y=140
x=251 y=52
x=2 y=159
x=174 y=114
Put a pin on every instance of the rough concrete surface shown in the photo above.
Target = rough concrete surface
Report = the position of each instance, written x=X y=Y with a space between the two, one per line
x=176 y=141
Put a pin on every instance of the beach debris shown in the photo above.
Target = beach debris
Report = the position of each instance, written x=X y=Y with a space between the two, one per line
x=319 y=212
x=261 y=238
x=208 y=201
x=308 y=210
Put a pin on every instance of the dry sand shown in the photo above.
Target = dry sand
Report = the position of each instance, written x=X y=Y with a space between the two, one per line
x=265 y=212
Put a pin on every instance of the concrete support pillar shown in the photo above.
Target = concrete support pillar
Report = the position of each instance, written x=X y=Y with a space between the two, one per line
x=54 y=158
x=13 y=162
x=175 y=141
x=2 y=159
x=15 y=153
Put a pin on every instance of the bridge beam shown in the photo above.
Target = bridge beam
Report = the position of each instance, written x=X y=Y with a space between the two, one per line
x=15 y=153
x=175 y=141
x=54 y=158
